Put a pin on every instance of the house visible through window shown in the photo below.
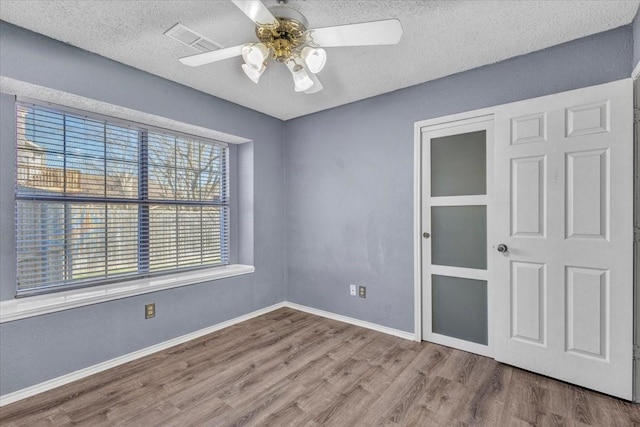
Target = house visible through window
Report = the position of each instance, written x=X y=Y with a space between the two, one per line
x=98 y=200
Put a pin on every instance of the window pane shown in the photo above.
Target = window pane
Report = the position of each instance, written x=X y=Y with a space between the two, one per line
x=162 y=167
x=163 y=250
x=162 y=150
x=87 y=241
x=214 y=168
x=199 y=170
x=122 y=239
x=214 y=235
x=122 y=162
x=43 y=173
x=90 y=173
x=85 y=154
x=188 y=184
x=40 y=237
x=162 y=183
x=458 y=164
x=122 y=143
x=41 y=129
x=122 y=179
x=40 y=147
x=187 y=154
x=189 y=172
x=84 y=137
x=189 y=236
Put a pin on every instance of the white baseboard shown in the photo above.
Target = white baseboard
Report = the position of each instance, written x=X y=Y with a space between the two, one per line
x=103 y=366
x=108 y=364
x=374 y=326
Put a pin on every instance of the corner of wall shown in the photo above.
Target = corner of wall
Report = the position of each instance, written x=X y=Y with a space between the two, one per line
x=635 y=28
x=285 y=209
x=7 y=166
x=245 y=176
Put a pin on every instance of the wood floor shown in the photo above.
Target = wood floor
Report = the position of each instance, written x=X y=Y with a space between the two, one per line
x=289 y=368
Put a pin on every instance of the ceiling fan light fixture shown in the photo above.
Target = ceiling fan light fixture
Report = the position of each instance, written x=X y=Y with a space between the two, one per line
x=254 y=55
x=284 y=36
x=315 y=58
x=301 y=79
x=252 y=73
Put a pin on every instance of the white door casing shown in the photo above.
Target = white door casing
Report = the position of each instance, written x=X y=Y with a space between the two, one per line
x=563 y=192
x=636 y=255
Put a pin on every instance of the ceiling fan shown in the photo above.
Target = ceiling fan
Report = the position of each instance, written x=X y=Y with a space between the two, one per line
x=284 y=37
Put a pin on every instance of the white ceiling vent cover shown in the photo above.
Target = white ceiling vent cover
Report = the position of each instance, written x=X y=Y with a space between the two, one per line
x=189 y=37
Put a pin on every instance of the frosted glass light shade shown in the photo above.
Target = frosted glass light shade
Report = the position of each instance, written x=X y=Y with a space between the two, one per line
x=252 y=73
x=254 y=55
x=314 y=58
x=301 y=79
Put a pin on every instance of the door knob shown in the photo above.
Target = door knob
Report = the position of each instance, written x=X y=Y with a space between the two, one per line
x=502 y=248
x=426 y=235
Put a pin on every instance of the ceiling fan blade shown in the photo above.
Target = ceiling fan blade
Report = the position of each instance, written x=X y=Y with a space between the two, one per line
x=213 y=56
x=256 y=11
x=317 y=86
x=385 y=32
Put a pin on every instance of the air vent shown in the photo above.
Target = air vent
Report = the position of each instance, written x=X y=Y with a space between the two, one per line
x=189 y=37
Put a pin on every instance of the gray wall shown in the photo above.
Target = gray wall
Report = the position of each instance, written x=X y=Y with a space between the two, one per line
x=44 y=347
x=635 y=25
x=349 y=178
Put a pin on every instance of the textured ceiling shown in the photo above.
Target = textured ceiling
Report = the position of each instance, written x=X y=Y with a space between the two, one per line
x=440 y=38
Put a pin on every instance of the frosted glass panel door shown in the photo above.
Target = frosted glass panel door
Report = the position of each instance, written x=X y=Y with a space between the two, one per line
x=454 y=240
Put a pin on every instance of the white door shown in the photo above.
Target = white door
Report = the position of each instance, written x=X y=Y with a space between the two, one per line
x=564 y=207
x=456 y=294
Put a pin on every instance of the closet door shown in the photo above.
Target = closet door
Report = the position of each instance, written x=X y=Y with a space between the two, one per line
x=563 y=241
x=455 y=289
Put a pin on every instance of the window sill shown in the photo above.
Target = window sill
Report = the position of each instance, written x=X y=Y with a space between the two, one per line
x=21 y=308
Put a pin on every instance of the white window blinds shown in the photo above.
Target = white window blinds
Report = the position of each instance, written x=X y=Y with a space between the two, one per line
x=99 y=200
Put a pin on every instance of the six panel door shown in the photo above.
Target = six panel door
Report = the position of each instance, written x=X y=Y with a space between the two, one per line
x=564 y=208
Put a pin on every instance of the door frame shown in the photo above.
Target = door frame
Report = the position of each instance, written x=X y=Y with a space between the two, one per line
x=636 y=227
x=450 y=121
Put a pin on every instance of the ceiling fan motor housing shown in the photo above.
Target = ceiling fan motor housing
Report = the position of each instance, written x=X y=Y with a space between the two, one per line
x=287 y=36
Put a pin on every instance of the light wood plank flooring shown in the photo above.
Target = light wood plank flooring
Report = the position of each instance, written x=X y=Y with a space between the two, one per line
x=289 y=368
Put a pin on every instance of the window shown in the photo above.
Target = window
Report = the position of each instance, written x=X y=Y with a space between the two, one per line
x=98 y=200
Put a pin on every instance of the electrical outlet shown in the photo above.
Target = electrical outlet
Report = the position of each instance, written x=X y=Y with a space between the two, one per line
x=150 y=310
x=362 y=291
x=352 y=290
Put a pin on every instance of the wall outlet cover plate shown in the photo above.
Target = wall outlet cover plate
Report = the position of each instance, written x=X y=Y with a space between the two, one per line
x=149 y=310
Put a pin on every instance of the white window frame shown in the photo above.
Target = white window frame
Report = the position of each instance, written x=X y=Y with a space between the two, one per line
x=22 y=308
